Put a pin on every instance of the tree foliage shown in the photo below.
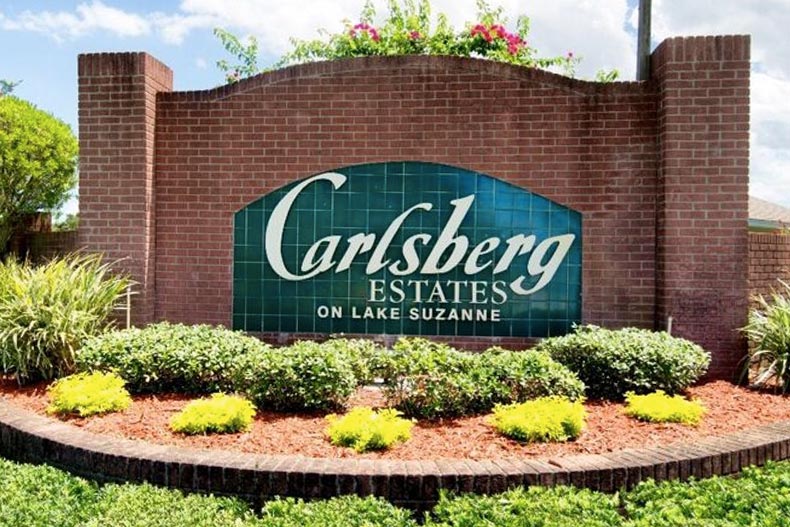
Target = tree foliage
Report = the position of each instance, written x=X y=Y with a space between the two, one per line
x=408 y=29
x=7 y=87
x=38 y=160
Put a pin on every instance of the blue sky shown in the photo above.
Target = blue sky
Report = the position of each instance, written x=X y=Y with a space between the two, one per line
x=41 y=39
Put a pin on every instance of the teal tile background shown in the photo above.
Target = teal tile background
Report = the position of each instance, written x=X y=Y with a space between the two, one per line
x=368 y=202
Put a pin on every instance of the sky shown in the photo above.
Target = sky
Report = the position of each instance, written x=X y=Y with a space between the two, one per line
x=40 y=41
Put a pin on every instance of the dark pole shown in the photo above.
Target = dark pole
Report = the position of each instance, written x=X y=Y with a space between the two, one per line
x=643 y=41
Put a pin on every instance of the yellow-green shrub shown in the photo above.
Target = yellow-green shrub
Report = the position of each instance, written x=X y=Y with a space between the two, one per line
x=87 y=394
x=658 y=407
x=366 y=429
x=220 y=413
x=542 y=419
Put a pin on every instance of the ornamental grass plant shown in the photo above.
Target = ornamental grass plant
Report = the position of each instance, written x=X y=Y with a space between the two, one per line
x=768 y=331
x=47 y=312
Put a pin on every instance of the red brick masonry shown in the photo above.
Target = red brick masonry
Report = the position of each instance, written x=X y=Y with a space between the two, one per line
x=25 y=436
x=658 y=169
x=769 y=261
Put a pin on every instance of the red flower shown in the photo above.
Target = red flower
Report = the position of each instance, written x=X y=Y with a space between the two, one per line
x=415 y=35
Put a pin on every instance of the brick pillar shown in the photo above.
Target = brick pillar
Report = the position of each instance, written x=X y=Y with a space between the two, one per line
x=117 y=119
x=703 y=115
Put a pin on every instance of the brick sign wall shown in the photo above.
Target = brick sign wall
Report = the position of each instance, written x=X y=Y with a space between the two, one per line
x=658 y=171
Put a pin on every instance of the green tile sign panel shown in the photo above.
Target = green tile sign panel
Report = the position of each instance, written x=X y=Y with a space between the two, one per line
x=407 y=248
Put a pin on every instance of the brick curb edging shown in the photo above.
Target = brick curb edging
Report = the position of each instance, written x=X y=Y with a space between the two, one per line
x=28 y=437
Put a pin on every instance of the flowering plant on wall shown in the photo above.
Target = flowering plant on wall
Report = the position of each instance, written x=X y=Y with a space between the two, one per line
x=408 y=29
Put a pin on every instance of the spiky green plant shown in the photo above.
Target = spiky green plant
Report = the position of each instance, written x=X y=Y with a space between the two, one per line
x=47 y=311
x=768 y=331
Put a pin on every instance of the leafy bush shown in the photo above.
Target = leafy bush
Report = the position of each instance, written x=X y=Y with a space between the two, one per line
x=47 y=312
x=304 y=376
x=148 y=506
x=41 y=496
x=658 y=407
x=430 y=379
x=759 y=497
x=544 y=419
x=535 y=506
x=344 y=511
x=768 y=331
x=221 y=413
x=362 y=354
x=613 y=362
x=365 y=429
x=88 y=394
x=170 y=357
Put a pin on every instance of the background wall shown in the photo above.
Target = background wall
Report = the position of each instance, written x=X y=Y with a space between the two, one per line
x=769 y=261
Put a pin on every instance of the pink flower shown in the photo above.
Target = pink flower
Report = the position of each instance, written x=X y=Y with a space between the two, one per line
x=365 y=28
x=500 y=31
x=481 y=30
x=415 y=35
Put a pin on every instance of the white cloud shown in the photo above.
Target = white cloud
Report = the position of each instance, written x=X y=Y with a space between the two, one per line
x=86 y=18
x=767 y=22
x=600 y=31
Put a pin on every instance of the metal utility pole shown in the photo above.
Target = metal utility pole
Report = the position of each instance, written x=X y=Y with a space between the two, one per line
x=643 y=41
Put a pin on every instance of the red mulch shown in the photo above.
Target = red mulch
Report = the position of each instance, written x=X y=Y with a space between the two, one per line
x=730 y=408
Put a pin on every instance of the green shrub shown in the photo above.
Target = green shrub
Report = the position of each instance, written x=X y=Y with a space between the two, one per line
x=535 y=506
x=430 y=379
x=768 y=331
x=169 y=357
x=304 y=376
x=544 y=419
x=658 y=407
x=148 y=506
x=365 y=429
x=345 y=511
x=758 y=497
x=224 y=414
x=613 y=362
x=362 y=355
x=47 y=312
x=41 y=496
x=88 y=394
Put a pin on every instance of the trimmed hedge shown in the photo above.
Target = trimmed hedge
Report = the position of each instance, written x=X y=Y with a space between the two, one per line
x=303 y=376
x=430 y=379
x=614 y=362
x=169 y=357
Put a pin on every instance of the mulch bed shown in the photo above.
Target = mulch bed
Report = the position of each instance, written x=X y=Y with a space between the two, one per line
x=730 y=408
